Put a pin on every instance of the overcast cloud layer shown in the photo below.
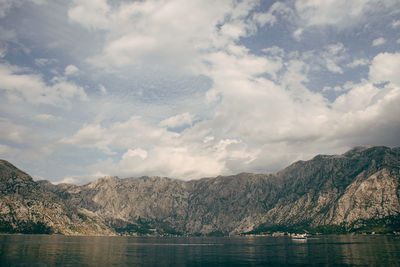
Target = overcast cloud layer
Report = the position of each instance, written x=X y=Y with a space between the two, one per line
x=193 y=88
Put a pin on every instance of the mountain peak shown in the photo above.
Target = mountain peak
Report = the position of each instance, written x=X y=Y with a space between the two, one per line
x=9 y=172
x=362 y=149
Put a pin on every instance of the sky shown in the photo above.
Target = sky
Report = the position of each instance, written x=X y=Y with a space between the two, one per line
x=193 y=88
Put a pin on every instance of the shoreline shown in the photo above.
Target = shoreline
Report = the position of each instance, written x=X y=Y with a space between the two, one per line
x=203 y=236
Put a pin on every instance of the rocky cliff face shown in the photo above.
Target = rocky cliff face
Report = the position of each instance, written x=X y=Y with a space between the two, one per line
x=361 y=185
x=358 y=189
x=27 y=207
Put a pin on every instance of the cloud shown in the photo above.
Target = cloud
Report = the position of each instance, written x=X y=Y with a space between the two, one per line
x=184 y=160
x=358 y=62
x=176 y=162
x=81 y=179
x=92 y=135
x=258 y=123
x=7 y=35
x=276 y=10
x=315 y=12
x=23 y=142
x=138 y=152
x=13 y=132
x=297 y=34
x=121 y=135
x=236 y=138
x=173 y=35
x=378 y=41
x=21 y=83
x=358 y=98
x=335 y=88
x=369 y=113
x=395 y=24
x=7 y=151
x=89 y=13
x=71 y=70
x=263 y=19
x=102 y=89
x=274 y=51
x=153 y=150
x=41 y=62
x=7 y=5
x=45 y=117
x=3 y=51
x=385 y=68
x=339 y=13
x=331 y=57
x=177 y=121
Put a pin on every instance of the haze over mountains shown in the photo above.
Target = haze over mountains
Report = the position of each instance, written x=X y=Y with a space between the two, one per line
x=355 y=192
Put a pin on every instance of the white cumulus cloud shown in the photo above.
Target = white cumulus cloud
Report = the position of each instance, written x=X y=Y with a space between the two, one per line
x=385 y=68
x=177 y=121
x=71 y=70
x=378 y=41
x=33 y=89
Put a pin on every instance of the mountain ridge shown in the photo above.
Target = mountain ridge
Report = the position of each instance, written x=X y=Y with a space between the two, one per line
x=355 y=191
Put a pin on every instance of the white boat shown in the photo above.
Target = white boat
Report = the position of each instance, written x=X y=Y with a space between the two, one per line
x=299 y=236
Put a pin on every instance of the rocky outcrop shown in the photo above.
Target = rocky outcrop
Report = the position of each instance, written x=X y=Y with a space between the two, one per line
x=359 y=185
x=27 y=207
x=358 y=189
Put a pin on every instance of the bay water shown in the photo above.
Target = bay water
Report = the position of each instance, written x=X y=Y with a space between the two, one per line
x=340 y=250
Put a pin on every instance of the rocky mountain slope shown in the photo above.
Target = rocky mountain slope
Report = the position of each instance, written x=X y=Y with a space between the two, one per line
x=356 y=191
x=27 y=207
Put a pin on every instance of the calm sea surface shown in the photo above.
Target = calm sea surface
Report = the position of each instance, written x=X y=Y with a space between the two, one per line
x=46 y=250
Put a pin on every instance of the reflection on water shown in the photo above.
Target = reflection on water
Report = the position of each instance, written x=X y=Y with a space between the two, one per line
x=44 y=250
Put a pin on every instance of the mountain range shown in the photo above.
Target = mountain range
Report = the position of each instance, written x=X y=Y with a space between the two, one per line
x=358 y=191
